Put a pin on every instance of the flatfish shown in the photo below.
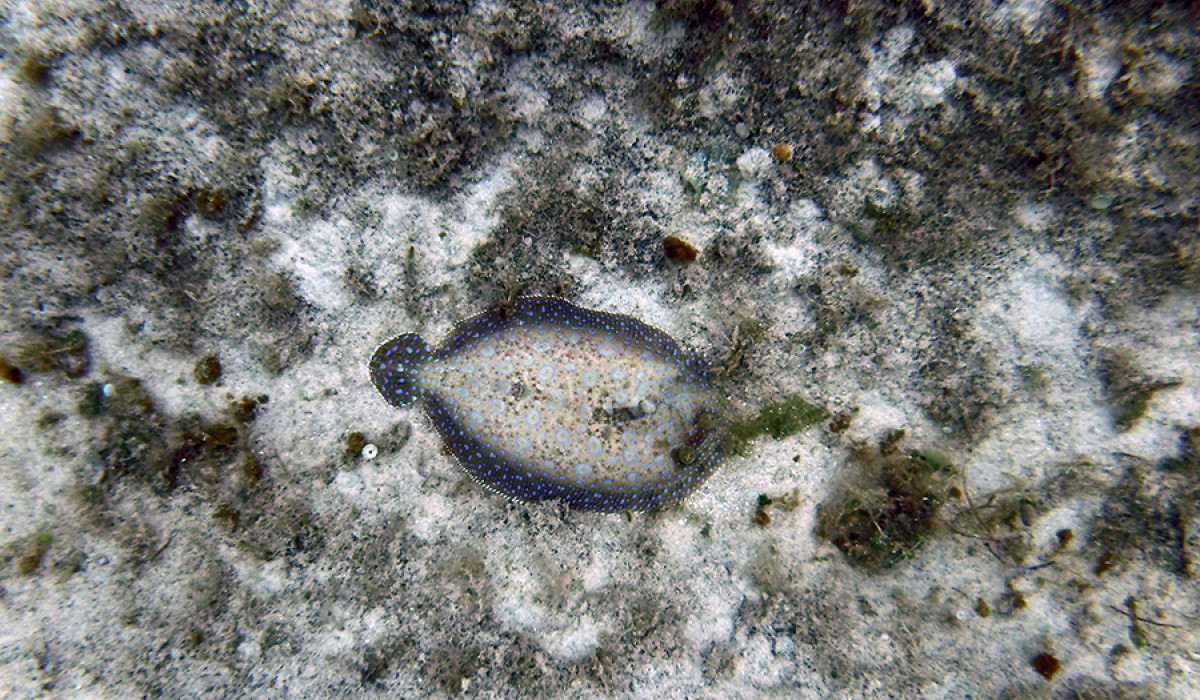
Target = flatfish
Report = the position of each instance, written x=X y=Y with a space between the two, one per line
x=543 y=399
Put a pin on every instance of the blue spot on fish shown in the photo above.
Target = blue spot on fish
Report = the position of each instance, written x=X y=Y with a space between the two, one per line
x=562 y=369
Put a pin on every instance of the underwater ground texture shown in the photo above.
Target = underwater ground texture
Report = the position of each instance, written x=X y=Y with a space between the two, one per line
x=943 y=257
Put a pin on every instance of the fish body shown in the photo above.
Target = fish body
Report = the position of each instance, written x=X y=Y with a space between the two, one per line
x=545 y=400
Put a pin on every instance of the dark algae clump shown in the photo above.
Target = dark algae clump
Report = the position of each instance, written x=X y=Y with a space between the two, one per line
x=882 y=514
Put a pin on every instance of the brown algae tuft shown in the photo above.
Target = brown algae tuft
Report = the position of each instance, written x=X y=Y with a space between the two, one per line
x=883 y=514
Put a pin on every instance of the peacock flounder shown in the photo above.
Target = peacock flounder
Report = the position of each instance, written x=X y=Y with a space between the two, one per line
x=543 y=400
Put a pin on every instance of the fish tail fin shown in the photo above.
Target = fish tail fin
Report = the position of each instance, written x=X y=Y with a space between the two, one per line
x=395 y=365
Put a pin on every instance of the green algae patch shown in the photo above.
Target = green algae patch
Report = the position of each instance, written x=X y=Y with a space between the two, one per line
x=50 y=351
x=41 y=132
x=779 y=420
x=1187 y=462
x=1146 y=520
x=207 y=370
x=1129 y=390
x=30 y=558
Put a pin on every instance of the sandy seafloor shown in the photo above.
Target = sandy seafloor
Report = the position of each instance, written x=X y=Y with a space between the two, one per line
x=965 y=231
